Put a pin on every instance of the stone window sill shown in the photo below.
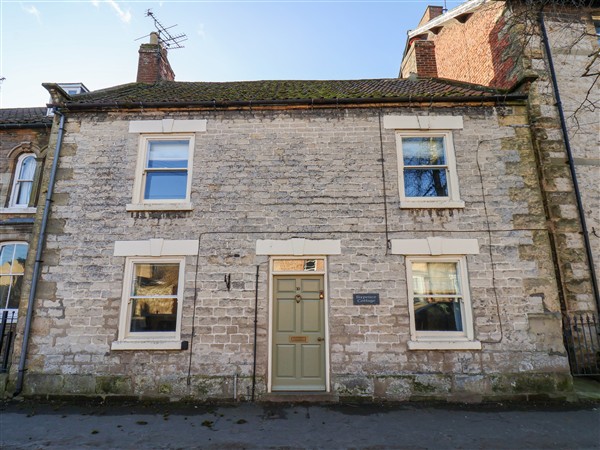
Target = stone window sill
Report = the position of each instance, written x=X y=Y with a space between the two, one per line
x=454 y=204
x=13 y=210
x=146 y=345
x=444 y=345
x=159 y=206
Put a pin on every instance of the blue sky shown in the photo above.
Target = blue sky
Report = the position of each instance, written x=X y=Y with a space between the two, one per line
x=94 y=41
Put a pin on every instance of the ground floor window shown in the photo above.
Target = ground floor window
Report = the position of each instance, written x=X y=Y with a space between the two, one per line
x=152 y=300
x=439 y=301
x=12 y=270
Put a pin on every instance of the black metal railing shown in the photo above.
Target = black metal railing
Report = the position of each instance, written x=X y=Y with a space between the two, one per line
x=582 y=338
x=8 y=324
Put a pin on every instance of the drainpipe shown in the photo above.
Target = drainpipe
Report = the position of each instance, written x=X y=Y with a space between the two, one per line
x=38 y=255
x=255 y=330
x=563 y=125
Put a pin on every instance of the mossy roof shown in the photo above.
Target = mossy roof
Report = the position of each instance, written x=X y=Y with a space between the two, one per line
x=281 y=91
x=24 y=116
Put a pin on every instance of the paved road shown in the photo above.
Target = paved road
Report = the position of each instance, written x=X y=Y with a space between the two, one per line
x=251 y=426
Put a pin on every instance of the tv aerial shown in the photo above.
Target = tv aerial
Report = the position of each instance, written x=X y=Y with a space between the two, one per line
x=169 y=40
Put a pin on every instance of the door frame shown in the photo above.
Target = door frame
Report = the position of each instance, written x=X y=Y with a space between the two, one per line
x=272 y=274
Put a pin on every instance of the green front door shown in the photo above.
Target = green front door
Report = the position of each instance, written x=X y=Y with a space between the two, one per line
x=298 y=333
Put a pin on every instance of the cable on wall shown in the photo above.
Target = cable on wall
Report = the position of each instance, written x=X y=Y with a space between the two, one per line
x=489 y=233
x=385 y=211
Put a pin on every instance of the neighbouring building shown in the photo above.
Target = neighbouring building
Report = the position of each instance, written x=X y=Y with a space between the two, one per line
x=24 y=134
x=555 y=48
x=379 y=239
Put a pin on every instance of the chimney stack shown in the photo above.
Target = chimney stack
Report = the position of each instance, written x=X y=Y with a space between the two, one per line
x=153 y=64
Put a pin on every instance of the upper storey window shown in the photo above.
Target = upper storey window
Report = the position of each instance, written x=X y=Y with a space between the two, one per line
x=425 y=164
x=23 y=181
x=427 y=176
x=166 y=170
x=163 y=178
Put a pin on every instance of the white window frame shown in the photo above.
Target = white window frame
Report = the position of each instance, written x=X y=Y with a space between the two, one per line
x=12 y=317
x=440 y=249
x=17 y=181
x=138 y=201
x=442 y=339
x=452 y=200
x=128 y=340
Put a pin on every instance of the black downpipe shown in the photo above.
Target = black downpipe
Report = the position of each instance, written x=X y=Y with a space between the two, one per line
x=255 y=330
x=38 y=256
x=563 y=125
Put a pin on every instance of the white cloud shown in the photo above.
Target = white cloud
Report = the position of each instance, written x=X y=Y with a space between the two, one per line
x=125 y=16
x=34 y=12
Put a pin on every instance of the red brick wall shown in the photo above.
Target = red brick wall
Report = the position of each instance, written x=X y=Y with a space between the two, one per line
x=474 y=51
x=153 y=64
x=425 y=58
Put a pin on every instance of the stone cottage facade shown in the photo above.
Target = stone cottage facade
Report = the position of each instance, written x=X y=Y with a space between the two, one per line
x=376 y=239
x=553 y=45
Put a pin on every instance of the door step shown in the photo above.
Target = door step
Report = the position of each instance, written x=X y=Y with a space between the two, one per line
x=300 y=397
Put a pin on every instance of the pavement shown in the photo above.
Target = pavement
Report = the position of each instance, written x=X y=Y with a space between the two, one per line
x=104 y=425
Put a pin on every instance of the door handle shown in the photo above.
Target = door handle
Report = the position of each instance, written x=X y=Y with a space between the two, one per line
x=320 y=339
x=298 y=298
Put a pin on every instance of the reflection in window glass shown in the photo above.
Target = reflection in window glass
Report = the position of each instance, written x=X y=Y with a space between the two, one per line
x=437 y=296
x=23 y=184
x=425 y=166
x=166 y=170
x=298 y=265
x=154 y=297
x=12 y=270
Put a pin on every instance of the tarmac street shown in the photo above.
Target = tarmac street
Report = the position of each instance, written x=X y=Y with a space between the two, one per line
x=54 y=425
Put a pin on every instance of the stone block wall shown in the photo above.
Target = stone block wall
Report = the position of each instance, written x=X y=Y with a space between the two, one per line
x=307 y=173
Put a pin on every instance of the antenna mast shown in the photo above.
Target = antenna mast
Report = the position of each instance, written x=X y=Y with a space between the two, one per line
x=170 y=41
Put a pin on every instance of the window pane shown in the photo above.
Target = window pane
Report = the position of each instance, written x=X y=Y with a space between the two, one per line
x=440 y=278
x=439 y=314
x=423 y=151
x=23 y=192
x=425 y=183
x=5 y=282
x=165 y=185
x=153 y=314
x=27 y=169
x=298 y=265
x=12 y=259
x=15 y=292
x=156 y=280
x=168 y=154
x=6 y=256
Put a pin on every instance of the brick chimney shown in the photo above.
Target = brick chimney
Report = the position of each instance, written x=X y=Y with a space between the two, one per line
x=431 y=13
x=420 y=59
x=153 y=64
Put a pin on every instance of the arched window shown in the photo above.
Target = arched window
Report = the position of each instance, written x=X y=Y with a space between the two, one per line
x=12 y=270
x=23 y=181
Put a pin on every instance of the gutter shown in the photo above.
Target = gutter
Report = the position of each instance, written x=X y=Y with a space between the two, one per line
x=496 y=98
x=38 y=256
x=563 y=125
x=5 y=126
